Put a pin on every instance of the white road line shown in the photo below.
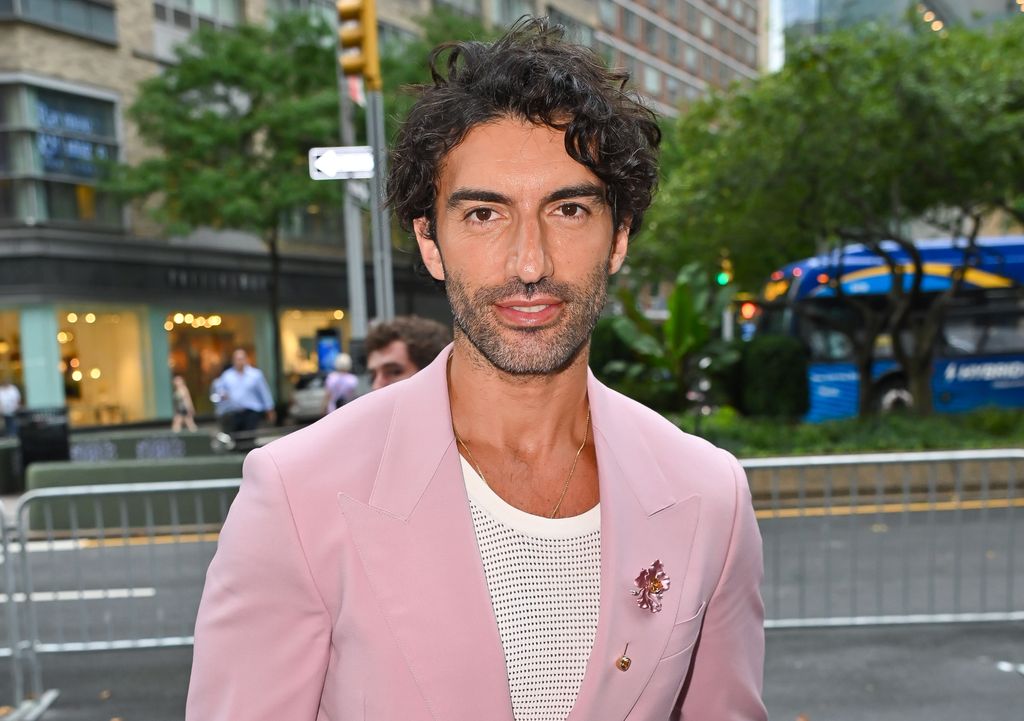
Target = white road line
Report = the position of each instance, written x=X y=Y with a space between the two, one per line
x=92 y=594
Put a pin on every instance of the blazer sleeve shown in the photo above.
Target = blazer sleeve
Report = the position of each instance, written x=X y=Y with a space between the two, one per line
x=262 y=637
x=726 y=679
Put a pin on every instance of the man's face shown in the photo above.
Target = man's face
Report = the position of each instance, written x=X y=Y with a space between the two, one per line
x=239 y=359
x=389 y=364
x=525 y=245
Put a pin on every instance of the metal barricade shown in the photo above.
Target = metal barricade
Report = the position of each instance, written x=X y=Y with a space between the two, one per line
x=890 y=538
x=117 y=566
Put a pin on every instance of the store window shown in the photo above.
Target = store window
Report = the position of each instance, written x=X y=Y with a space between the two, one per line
x=308 y=338
x=100 y=359
x=201 y=342
x=93 y=19
x=54 y=147
x=10 y=348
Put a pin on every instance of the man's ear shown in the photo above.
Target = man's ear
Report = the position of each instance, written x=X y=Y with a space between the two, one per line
x=429 y=250
x=620 y=244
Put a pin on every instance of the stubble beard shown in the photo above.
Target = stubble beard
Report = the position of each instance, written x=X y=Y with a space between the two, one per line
x=529 y=351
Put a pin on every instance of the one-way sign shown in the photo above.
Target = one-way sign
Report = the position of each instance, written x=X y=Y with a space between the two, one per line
x=342 y=163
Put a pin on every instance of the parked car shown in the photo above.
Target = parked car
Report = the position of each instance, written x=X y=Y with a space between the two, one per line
x=307 y=402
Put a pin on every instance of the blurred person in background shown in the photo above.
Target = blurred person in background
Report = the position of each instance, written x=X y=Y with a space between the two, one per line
x=10 y=402
x=184 y=410
x=397 y=349
x=341 y=383
x=242 y=395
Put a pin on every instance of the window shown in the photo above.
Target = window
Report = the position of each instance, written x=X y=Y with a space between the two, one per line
x=707 y=27
x=691 y=17
x=691 y=58
x=652 y=80
x=632 y=26
x=192 y=14
x=10 y=348
x=651 y=37
x=90 y=18
x=53 y=147
x=511 y=10
x=609 y=15
x=673 y=49
x=576 y=30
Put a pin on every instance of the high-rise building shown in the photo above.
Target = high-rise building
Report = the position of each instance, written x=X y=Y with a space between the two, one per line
x=803 y=17
x=98 y=308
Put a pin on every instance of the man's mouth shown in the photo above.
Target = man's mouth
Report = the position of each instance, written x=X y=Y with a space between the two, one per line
x=530 y=312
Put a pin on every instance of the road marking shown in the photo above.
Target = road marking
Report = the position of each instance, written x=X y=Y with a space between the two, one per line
x=92 y=594
x=869 y=509
x=149 y=540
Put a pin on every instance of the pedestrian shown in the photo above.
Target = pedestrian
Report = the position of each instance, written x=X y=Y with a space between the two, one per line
x=242 y=395
x=10 y=402
x=397 y=349
x=184 y=410
x=341 y=383
x=500 y=537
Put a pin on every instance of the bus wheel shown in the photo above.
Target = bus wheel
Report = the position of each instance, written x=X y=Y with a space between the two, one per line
x=893 y=395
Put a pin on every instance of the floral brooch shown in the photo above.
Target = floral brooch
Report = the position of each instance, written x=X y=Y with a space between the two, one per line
x=651 y=584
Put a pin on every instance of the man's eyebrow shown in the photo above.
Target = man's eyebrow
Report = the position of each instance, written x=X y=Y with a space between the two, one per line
x=583 y=190
x=475 y=195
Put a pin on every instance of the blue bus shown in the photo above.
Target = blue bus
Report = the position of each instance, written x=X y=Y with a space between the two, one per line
x=979 y=359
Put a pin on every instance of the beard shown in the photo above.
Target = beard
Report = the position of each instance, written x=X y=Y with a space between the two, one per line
x=536 y=350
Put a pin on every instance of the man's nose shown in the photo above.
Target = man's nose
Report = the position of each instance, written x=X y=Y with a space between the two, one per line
x=529 y=259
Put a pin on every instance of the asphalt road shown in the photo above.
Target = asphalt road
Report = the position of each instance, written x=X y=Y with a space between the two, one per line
x=857 y=565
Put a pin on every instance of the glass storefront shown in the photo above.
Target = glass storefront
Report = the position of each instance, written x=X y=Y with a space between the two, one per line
x=201 y=343
x=101 y=361
x=306 y=335
x=10 y=348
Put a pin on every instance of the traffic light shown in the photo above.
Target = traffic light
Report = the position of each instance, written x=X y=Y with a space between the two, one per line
x=357 y=34
x=724 y=276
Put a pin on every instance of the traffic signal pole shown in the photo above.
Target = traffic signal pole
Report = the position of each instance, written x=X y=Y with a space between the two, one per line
x=360 y=56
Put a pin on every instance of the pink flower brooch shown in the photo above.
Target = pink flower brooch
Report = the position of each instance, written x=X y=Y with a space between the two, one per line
x=651 y=584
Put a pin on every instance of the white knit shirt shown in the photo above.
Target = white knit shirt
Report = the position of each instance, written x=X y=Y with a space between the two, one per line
x=544 y=578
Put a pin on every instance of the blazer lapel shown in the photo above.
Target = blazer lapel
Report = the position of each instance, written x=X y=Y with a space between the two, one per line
x=641 y=522
x=418 y=547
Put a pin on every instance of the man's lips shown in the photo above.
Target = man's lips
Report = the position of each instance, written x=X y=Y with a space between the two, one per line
x=529 y=311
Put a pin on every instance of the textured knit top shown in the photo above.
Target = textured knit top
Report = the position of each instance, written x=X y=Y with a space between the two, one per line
x=544 y=578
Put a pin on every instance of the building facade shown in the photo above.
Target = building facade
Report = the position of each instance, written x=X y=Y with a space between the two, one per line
x=98 y=309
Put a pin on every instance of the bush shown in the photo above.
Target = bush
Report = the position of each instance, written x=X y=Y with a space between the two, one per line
x=774 y=377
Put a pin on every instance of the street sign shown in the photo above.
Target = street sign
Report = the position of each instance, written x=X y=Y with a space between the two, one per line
x=342 y=163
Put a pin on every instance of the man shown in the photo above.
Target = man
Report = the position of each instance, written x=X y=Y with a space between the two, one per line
x=500 y=536
x=397 y=349
x=10 y=402
x=242 y=395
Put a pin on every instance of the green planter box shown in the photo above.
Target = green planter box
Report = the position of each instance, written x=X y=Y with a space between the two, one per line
x=139 y=512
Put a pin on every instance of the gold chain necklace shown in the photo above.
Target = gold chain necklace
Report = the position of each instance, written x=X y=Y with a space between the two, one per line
x=565 y=486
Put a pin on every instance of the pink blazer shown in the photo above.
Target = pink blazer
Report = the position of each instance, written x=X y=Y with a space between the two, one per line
x=347 y=584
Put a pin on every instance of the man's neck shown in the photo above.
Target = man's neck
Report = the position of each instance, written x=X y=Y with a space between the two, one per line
x=523 y=414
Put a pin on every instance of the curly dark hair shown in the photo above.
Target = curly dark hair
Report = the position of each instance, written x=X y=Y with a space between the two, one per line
x=424 y=338
x=532 y=74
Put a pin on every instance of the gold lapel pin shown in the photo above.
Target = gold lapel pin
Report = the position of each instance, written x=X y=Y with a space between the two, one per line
x=650 y=586
x=623 y=661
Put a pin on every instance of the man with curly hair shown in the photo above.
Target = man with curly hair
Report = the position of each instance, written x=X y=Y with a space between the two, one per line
x=499 y=537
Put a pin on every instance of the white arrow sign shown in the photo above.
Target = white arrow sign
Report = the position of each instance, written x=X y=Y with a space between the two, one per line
x=342 y=163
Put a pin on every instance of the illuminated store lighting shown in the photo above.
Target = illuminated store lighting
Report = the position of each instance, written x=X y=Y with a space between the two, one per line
x=74 y=362
x=94 y=373
x=168 y=325
x=929 y=16
x=90 y=317
x=72 y=317
x=215 y=320
x=937 y=25
x=5 y=347
x=76 y=376
x=339 y=315
x=179 y=318
x=189 y=318
x=63 y=337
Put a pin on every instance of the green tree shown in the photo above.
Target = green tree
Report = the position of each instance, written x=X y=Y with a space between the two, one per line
x=231 y=123
x=863 y=132
x=674 y=349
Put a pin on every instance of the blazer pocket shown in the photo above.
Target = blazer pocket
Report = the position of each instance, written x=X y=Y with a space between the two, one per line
x=684 y=634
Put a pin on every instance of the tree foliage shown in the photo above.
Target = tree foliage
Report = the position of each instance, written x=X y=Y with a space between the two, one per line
x=862 y=133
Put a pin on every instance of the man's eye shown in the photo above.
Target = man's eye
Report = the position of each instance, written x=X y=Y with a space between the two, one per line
x=570 y=210
x=482 y=214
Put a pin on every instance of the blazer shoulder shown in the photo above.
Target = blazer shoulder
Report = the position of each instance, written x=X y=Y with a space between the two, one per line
x=341 y=451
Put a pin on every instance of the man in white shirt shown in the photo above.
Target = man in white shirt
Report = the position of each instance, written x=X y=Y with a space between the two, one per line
x=10 y=401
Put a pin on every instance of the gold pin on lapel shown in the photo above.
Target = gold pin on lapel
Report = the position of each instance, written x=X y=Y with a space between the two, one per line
x=623 y=661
